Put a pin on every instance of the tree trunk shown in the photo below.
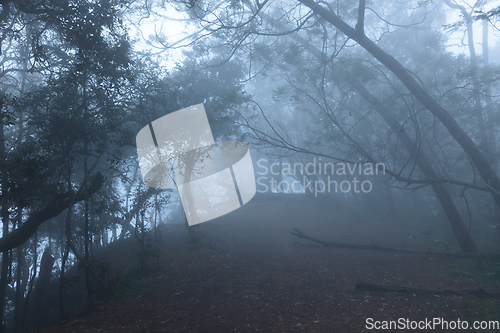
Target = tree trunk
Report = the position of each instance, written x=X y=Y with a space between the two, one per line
x=67 y=227
x=56 y=207
x=490 y=112
x=21 y=280
x=5 y=229
x=140 y=238
x=457 y=224
x=189 y=169
x=86 y=230
x=32 y=280
x=430 y=103
x=478 y=109
x=42 y=286
x=463 y=237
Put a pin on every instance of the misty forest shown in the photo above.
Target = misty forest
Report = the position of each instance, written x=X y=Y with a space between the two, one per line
x=373 y=130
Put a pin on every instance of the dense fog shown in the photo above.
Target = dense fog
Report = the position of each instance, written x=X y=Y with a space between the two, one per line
x=257 y=165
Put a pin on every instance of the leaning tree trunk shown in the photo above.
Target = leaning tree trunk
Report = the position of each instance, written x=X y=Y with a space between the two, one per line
x=457 y=224
x=430 y=103
x=463 y=237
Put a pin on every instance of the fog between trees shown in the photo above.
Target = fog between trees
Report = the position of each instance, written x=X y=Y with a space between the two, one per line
x=377 y=89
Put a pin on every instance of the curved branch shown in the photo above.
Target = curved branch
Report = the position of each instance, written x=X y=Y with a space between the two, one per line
x=488 y=175
x=56 y=207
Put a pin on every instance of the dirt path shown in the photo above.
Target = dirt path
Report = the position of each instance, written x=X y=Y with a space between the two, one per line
x=251 y=275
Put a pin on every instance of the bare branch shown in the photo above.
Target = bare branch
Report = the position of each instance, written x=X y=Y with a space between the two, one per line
x=360 y=26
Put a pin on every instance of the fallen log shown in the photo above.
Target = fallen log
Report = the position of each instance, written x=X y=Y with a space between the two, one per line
x=374 y=247
x=300 y=234
x=367 y=286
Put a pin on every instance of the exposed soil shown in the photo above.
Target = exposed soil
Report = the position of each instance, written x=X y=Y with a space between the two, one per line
x=250 y=275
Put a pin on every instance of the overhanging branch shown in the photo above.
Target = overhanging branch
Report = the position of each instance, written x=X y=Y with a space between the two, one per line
x=56 y=207
x=483 y=166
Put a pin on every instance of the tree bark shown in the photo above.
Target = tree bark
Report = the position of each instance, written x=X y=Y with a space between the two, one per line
x=32 y=280
x=22 y=272
x=5 y=229
x=462 y=235
x=490 y=112
x=56 y=207
x=457 y=224
x=86 y=232
x=42 y=285
x=478 y=109
x=430 y=103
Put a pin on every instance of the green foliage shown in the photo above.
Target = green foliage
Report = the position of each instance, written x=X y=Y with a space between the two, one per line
x=213 y=82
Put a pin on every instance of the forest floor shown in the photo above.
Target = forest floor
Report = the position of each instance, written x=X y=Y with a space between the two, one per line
x=250 y=275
